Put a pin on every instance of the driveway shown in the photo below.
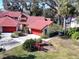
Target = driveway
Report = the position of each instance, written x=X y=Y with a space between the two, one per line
x=8 y=43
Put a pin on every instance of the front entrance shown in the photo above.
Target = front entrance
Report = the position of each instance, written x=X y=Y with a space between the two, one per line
x=45 y=31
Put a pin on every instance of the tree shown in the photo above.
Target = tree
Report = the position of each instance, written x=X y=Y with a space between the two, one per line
x=50 y=13
x=15 y=5
x=34 y=8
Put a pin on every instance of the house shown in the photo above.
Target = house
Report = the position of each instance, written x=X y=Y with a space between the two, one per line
x=13 y=21
x=72 y=22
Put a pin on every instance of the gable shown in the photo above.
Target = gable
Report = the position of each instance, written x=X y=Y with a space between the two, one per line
x=7 y=21
x=37 y=23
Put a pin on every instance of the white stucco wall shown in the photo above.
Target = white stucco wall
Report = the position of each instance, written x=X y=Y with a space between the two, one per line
x=30 y=30
x=73 y=23
x=20 y=26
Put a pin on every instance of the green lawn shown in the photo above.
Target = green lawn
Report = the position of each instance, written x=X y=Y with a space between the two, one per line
x=64 y=49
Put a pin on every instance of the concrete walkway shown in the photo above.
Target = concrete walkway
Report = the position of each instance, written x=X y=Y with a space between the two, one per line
x=8 y=43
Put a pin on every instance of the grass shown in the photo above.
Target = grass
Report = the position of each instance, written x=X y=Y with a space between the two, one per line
x=65 y=49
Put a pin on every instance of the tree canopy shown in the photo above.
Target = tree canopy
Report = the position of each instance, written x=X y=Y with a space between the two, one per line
x=60 y=7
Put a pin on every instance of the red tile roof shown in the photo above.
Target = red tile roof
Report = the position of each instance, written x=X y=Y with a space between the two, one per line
x=34 y=22
x=13 y=13
x=38 y=23
x=49 y=19
x=2 y=14
x=10 y=13
x=7 y=21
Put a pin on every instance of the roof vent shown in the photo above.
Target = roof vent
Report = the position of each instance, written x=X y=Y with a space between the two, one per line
x=45 y=19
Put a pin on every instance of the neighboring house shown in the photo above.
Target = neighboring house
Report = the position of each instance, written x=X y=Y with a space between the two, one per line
x=71 y=22
x=14 y=21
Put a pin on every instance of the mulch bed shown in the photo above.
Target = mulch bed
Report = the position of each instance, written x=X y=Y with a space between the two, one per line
x=44 y=47
x=50 y=48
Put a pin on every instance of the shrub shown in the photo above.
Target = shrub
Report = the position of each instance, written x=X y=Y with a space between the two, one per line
x=14 y=35
x=39 y=40
x=75 y=35
x=17 y=34
x=0 y=33
x=70 y=31
x=21 y=34
x=0 y=36
x=44 y=37
x=54 y=28
x=52 y=34
x=28 y=44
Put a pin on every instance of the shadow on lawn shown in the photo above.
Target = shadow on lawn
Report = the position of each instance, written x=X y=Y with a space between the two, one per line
x=64 y=37
x=16 y=57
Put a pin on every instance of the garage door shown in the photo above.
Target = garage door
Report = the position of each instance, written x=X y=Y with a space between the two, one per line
x=37 y=32
x=9 y=29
